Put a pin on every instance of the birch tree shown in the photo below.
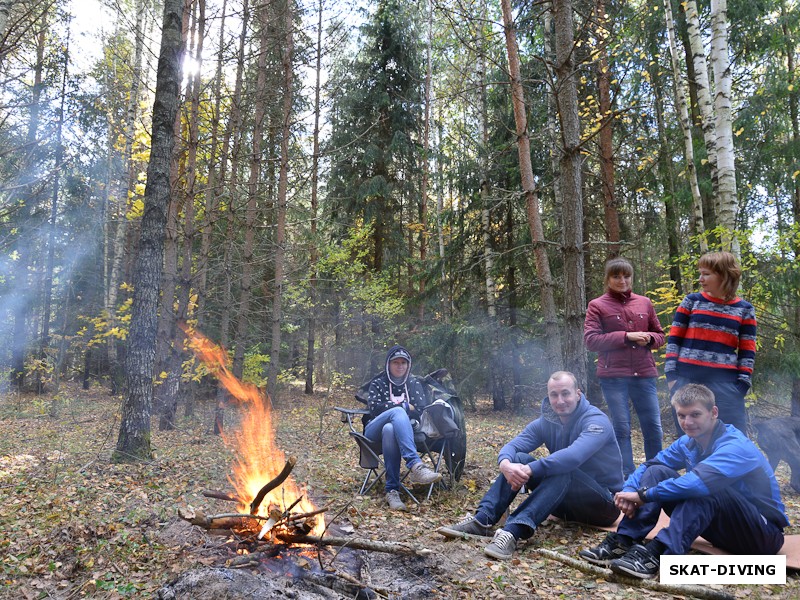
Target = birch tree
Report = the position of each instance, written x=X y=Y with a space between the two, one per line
x=705 y=103
x=681 y=94
x=727 y=202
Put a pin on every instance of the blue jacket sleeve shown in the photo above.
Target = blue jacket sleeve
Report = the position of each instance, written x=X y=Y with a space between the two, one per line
x=726 y=465
x=594 y=435
x=527 y=441
x=672 y=456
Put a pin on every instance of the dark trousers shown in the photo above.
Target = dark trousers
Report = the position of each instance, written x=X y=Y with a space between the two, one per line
x=726 y=519
x=574 y=496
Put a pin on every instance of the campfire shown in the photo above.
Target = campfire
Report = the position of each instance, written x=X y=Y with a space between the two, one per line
x=270 y=503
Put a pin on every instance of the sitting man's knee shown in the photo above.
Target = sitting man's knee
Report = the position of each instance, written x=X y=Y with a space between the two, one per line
x=523 y=458
x=656 y=473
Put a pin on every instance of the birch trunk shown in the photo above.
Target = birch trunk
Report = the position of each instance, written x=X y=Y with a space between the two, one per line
x=681 y=94
x=727 y=202
x=133 y=442
x=572 y=199
x=551 y=333
x=705 y=103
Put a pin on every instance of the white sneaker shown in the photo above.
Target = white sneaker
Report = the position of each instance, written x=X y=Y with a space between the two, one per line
x=422 y=475
x=394 y=501
x=502 y=545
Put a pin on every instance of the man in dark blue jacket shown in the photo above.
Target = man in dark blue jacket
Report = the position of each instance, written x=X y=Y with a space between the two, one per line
x=728 y=495
x=577 y=481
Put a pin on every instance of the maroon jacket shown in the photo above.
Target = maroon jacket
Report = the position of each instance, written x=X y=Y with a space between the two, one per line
x=608 y=319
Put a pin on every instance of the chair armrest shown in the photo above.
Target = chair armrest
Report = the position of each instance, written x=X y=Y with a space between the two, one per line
x=349 y=413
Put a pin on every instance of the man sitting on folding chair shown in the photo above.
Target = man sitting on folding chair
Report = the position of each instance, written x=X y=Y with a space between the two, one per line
x=395 y=397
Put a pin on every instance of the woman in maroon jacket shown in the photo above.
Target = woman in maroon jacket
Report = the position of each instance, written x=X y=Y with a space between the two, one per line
x=623 y=329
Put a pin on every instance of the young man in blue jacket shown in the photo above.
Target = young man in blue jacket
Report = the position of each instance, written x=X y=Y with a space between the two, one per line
x=728 y=495
x=577 y=481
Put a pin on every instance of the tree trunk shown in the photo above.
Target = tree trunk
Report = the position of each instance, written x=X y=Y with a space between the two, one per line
x=24 y=244
x=251 y=211
x=704 y=101
x=216 y=179
x=572 y=200
x=485 y=191
x=314 y=253
x=232 y=131
x=551 y=332
x=697 y=223
x=606 y=136
x=171 y=386
x=133 y=442
x=47 y=286
x=287 y=55
x=727 y=202
x=794 y=115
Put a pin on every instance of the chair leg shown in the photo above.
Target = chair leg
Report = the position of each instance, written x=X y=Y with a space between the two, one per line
x=367 y=486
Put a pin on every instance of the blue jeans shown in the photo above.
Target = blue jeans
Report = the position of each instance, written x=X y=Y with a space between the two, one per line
x=642 y=394
x=726 y=519
x=393 y=429
x=574 y=496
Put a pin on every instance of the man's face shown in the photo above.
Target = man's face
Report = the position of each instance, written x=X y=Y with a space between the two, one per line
x=563 y=395
x=398 y=367
x=696 y=420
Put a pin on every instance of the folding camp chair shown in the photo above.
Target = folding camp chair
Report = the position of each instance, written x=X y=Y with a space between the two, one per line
x=445 y=449
x=370 y=454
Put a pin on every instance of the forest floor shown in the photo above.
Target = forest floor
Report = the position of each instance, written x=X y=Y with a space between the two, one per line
x=73 y=525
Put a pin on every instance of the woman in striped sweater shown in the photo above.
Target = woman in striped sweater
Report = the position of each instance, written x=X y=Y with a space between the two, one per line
x=712 y=340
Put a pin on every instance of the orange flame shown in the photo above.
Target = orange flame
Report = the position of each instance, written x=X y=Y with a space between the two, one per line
x=258 y=460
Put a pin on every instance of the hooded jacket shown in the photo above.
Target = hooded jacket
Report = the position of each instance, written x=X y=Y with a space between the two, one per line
x=608 y=319
x=384 y=389
x=586 y=442
x=730 y=461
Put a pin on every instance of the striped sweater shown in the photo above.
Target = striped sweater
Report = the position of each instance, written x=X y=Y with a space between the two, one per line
x=711 y=339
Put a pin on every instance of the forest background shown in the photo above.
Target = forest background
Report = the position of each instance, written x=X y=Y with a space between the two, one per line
x=306 y=183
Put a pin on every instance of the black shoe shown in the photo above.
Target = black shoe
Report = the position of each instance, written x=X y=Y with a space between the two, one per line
x=639 y=562
x=609 y=549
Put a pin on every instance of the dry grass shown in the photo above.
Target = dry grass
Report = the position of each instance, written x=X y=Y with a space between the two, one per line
x=74 y=525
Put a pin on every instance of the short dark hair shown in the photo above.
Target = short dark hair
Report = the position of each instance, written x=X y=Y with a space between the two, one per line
x=723 y=264
x=694 y=393
x=615 y=266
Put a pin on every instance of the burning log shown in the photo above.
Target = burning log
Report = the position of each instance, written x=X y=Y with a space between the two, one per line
x=287 y=469
x=356 y=543
x=222 y=521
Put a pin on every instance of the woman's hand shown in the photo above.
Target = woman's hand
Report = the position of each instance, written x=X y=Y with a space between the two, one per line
x=640 y=338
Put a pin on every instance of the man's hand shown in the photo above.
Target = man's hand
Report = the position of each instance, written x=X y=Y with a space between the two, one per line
x=640 y=338
x=516 y=474
x=628 y=503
